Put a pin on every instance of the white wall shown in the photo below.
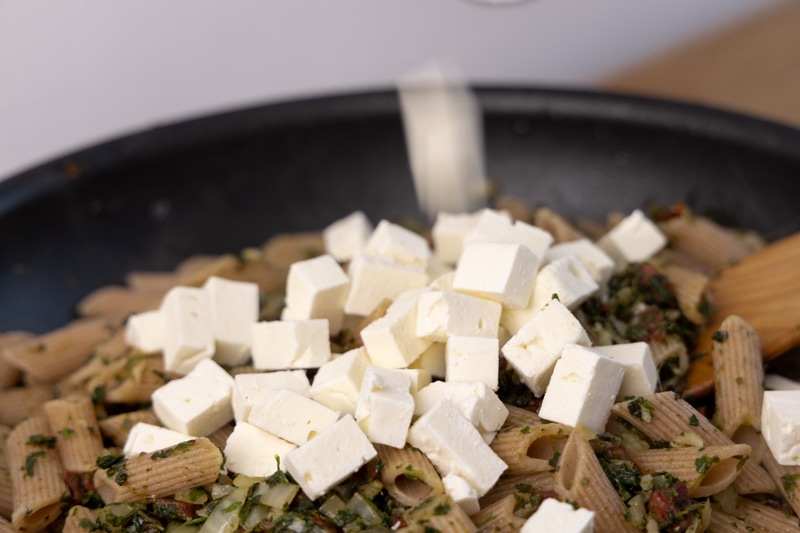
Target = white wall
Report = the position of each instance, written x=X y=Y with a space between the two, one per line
x=74 y=72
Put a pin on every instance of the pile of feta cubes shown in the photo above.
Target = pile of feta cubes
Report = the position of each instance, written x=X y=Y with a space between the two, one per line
x=427 y=373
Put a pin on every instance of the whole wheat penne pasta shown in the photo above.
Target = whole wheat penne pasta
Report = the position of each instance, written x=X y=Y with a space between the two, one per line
x=259 y=271
x=222 y=266
x=36 y=475
x=704 y=240
x=724 y=523
x=517 y=208
x=103 y=354
x=6 y=491
x=691 y=290
x=286 y=248
x=190 y=464
x=153 y=282
x=706 y=470
x=786 y=478
x=531 y=449
x=130 y=379
x=429 y=515
x=738 y=378
x=580 y=478
x=115 y=304
x=77 y=519
x=558 y=226
x=669 y=347
x=21 y=402
x=762 y=517
x=508 y=485
x=74 y=422
x=220 y=436
x=50 y=357
x=408 y=475
x=519 y=417
x=117 y=427
x=9 y=374
x=499 y=517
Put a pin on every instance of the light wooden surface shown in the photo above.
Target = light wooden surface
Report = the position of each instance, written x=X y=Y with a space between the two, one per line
x=752 y=67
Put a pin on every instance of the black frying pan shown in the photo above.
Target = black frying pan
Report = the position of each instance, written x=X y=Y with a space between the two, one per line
x=220 y=183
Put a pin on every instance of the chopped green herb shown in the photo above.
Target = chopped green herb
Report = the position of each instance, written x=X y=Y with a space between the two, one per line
x=42 y=440
x=67 y=433
x=441 y=509
x=789 y=482
x=172 y=450
x=554 y=460
x=704 y=463
x=99 y=395
x=693 y=420
x=525 y=430
x=641 y=408
x=720 y=336
x=30 y=461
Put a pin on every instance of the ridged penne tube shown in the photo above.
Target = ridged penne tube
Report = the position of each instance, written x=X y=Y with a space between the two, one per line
x=117 y=427
x=499 y=517
x=429 y=516
x=669 y=347
x=220 y=436
x=762 y=517
x=672 y=418
x=738 y=377
x=558 y=226
x=50 y=357
x=19 y=403
x=283 y=249
x=9 y=374
x=520 y=417
x=190 y=464
x=408 y=475
x=115 y=304
x=541 y=482
x=137 y=379
x=706 y=471
x=79 y=441
x=222 y=266
x=103 y=354
x=531 y=449
x=153 y=282
x=705 y=241
x=36 y=475
x=580 y=478
x=6 y=527
x=6 y=490
x=76 y=517
x=787 y=479
x=691 y=291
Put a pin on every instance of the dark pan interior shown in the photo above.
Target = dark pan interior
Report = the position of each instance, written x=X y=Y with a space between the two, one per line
x=220 y=183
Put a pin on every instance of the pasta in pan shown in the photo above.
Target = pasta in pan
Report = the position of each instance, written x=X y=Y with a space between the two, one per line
x=72 y=400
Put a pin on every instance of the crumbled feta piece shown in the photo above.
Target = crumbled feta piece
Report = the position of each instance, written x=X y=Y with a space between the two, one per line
x=291 y=416
x=453 y=445
x=251 y=451
x=145 y=331
x=374 y=278
x=249 y=389
x=476 y=401
x=330 y=457
x=234 y=307
x=635 y=239
x=398 y=244
x=347 y=236
x=448 y=234
x=599 y=264
x=535 y=349
x=780 y=425
x=385 y=406
x=188 y=334
x=338 y=382
x=441 y=314
x=284 y=344
x=391 y=341
x=497 y=271
x=559 y=517
x=198 y=403
x=146 y=438
x=471 y=359
x=316 y=288
x=462 y=493
x=582 y=389
x=641 y=375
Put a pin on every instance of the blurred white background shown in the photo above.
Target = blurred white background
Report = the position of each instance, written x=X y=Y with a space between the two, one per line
x=75 y=72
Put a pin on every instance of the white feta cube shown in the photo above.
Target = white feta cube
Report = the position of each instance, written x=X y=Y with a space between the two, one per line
x=641 y=375
x=385 y=406
x=582 y=389
x=778 y=382
x=476 y=401
x=391 y=341
x=375 y=278
x=198 y=403
x=495 y=226
x=338 y=382
x=535 y=349
x=147 y=438
x=330 y=457
x=462 y=493
x=145 y=331
x=398 y=244
x=497 y=271
x=432 y=360
x=347 y=236
x=285 y=344
x=188 y=333
x=780 y=425
x=471 y=359
x=234 y=309
x=251 y=451
x=249 y=389
x=291 y=416
x=635 y=239
x=316 y=288
x=441 y=314
x=448 y=234
x=419 y=378
x=443 y=282
x=599 y=264
x=559 y=517
x=453 y=445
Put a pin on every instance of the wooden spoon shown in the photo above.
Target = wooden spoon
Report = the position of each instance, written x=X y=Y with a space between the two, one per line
x=763 y=289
